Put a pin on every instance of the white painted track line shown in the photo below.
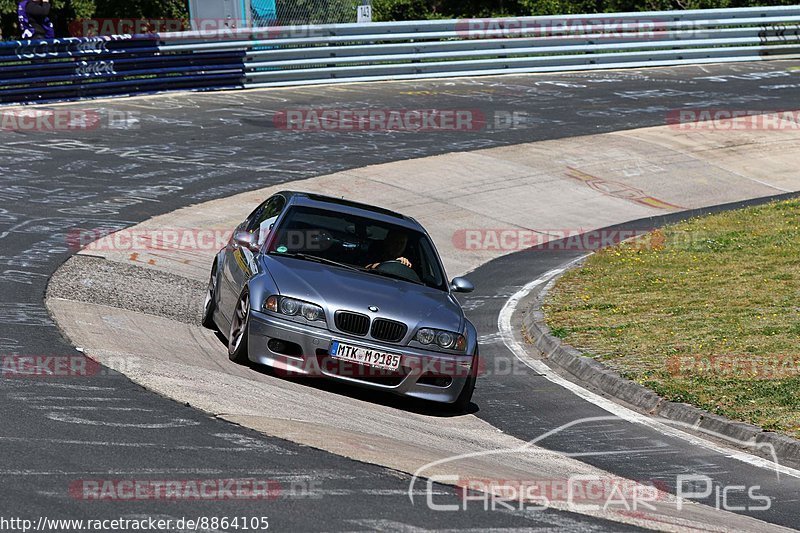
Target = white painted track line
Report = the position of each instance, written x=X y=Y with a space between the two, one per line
x=624 y=413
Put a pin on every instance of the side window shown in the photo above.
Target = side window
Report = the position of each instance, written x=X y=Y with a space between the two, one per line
x=269 y=209
x=430 y=274
x=265 y=216
x=249 y=222
x=273 y=209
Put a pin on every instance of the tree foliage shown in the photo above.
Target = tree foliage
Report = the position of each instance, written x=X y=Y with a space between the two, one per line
x=427 y=9
x=65 y=11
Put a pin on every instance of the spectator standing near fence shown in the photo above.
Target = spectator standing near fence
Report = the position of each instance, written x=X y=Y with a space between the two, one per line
x=34 y=19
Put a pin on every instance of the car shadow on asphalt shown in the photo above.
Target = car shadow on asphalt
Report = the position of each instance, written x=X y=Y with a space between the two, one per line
x=412 y=405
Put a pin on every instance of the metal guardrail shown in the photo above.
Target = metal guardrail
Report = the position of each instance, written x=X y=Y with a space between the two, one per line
x=306 y=55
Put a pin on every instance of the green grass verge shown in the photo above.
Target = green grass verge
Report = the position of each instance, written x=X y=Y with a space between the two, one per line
x=705 y=312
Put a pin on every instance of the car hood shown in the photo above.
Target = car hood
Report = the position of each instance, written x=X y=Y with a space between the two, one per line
x=337 y=288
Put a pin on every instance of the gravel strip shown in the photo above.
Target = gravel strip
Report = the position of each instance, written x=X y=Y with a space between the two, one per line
x=97 y=281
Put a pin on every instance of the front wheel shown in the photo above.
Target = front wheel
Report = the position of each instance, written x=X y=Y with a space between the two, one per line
x=240 y=326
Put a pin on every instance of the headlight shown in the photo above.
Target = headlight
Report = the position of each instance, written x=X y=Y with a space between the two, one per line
x=426 y=336
x=311 y=312
x=297 y=310
x=443 y=339
x=289 y=306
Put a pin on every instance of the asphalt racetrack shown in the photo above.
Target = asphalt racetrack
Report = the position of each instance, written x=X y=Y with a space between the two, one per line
x=190 y=148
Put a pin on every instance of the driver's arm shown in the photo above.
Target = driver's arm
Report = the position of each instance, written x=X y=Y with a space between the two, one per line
x=401 y=260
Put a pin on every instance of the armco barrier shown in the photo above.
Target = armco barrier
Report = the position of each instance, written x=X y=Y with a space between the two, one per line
x=306 y=55
x=62 y=69
x=415 y=50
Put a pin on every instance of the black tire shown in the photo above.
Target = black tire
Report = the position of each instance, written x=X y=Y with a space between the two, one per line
x=210 y=304
x=240 y=326
x=461 y=405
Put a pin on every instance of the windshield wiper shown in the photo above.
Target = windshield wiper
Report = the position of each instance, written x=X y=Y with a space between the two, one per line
x=317 y=259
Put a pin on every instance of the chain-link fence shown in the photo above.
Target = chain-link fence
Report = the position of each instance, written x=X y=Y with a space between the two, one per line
x=291 y=12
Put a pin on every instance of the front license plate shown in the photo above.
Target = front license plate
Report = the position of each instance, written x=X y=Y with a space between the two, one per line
x=365 y=356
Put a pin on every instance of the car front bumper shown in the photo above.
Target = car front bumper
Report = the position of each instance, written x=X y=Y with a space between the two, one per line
x=302 y=350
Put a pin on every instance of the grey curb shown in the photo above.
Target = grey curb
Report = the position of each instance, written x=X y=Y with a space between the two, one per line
x=596 y=376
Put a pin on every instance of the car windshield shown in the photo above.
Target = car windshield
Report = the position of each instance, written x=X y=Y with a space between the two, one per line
x=371 y=246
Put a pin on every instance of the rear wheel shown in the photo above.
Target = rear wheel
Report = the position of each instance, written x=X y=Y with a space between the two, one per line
x=210 y=304
x=240 y=325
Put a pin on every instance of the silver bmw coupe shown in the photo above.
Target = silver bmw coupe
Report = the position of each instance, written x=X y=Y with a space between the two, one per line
x=318 y=286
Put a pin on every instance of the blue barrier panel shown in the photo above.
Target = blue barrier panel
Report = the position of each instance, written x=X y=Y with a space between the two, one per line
x=62 y=69
x=127 y=64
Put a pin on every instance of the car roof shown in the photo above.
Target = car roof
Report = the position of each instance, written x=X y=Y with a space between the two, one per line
x=343 y=205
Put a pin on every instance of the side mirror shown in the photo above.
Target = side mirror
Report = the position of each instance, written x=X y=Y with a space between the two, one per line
x=245 y=239
x=461 y=285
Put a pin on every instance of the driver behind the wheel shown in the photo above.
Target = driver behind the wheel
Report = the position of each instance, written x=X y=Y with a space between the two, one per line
x=392 y=249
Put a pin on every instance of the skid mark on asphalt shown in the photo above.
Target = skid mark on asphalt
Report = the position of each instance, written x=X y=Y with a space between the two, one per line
x=251 y=443
x=24 y=314
x=173 y=423
x=91 y=408
x=27 y=383
x=277 y=475
x=491 y=338
x=30 y=397
x=156 y=445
